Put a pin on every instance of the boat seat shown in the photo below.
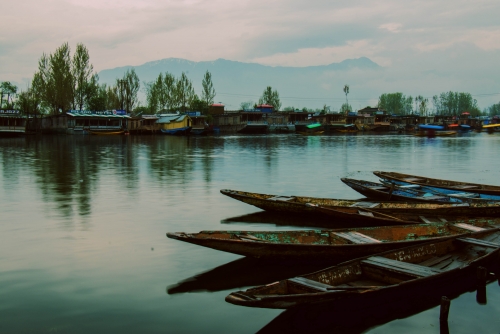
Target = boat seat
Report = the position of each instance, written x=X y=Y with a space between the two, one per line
x=470 y=227
x=464 y=195
x=379 y=188
x=310 y=284
x=432 y=197
x=432 y=220
x=400 y=266
x=356 y=237
x=281 y=198
x=464 y=186
x=479 y=242
x=410 y=186
x=365 y=205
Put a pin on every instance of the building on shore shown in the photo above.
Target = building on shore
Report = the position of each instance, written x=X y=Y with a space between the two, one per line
x=86 y=122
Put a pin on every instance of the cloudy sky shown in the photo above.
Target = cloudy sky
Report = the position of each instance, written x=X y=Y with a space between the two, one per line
x=424 y=45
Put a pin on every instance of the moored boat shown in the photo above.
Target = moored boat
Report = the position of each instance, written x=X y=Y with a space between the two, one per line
x=348 y=210
x=332 y=246
x=405 y=273
x=312 y=129
x=392 y=191
x=440 y=183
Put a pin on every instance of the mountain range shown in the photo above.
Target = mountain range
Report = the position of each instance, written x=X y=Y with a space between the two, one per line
x=236 y=82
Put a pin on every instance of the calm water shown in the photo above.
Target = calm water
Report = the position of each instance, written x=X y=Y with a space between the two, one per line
x=83 y=222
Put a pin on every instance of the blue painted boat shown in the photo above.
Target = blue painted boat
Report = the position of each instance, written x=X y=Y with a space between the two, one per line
x=380 y=191
x=441 y=191
x=177 y=131
x=431 y=127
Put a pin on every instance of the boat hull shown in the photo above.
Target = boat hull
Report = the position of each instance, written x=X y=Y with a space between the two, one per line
x=409 y=280
x=348 y=210
x=177 y=131
x=447 y=184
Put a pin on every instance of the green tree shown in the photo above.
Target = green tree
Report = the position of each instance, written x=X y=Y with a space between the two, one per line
x=246 y=105
x=271 y=97
x=395 y=103
x=9 y=89
x=454 y=103
x=184 y=92
x=346 y=91
x=98 y=97
x=493 y=110
x=345 y=108
x=208 y=93
x=127 y=89
x=54 y=80
x=84 y=80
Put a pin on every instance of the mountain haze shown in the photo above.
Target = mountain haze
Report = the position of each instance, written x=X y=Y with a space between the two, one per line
x=236 y=82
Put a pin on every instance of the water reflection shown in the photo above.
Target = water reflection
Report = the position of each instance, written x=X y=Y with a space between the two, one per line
x=356 y=318
x=244 y=272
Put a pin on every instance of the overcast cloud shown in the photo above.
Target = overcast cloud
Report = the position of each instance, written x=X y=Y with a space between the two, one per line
x=427 y=47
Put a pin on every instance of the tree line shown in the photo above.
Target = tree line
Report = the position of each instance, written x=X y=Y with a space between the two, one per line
x=64 y=81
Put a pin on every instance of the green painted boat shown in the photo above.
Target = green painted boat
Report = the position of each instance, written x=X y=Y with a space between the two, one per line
x=331 y=246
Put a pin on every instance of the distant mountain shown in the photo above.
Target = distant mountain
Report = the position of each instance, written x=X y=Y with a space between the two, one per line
x=236 y=82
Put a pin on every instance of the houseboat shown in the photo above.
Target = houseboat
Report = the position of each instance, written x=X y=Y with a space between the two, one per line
x=12 y=123
x=174 y=124
x=108 y=122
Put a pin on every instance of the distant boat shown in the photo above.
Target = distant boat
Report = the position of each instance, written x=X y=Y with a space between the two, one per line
x=433 y=133
x=407 y=274
x=12 y=123
x=105 y=132
x=312 y=129
x=174 y=124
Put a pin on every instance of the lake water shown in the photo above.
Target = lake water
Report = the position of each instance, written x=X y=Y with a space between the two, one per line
x=83 y=222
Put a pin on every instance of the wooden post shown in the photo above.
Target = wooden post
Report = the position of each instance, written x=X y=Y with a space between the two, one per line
x=481 y=276
x=445 y=309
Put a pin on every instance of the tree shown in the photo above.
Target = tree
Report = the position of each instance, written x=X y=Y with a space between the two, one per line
x=55 y=81
x=345 y=108
x=454 y=103
x=493 y=110
x=98 y=97
x=395 y=103
x=208 y=92
x=184 y=92
x=346 y=91
x=271 y=97
x=127 y=89
x=246 y=105
x=84 y=79
x=9 y=89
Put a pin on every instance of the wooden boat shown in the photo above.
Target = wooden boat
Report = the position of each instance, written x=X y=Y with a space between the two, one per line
x=439 y=183
x=441 y=191
x=382 y=191
x=348 y=210
x=433 y=133
x=325 y=245
x=405 y=273
x=312 y=129
x=105 y=132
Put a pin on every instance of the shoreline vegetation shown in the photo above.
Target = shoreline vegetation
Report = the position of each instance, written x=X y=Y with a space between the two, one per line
x=65 y=82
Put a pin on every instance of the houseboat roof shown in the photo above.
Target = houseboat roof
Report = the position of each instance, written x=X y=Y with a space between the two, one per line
x=167 y=118
x=105 y=113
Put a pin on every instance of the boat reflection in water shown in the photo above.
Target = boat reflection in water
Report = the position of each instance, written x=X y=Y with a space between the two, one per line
x=358 y=319
x=244 y=272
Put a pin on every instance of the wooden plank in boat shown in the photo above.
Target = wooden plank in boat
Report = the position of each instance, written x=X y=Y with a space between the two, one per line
x=464 y=195
x=413 y=179
x=470 y=227
x=401 y=267
x=432 y=197
x=281 y=198
x=365 y=205
x=365 y=213
x=464 y=186
x=356 y=237
x=310 y=284
x=379 y=188
x=479 y=242
x=435 y=260
x=432 y=220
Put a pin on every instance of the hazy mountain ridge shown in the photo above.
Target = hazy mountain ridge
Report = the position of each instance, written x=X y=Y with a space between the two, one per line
x=236 y=82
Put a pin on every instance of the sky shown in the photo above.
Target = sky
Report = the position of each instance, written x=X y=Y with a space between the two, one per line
x=427 y=47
